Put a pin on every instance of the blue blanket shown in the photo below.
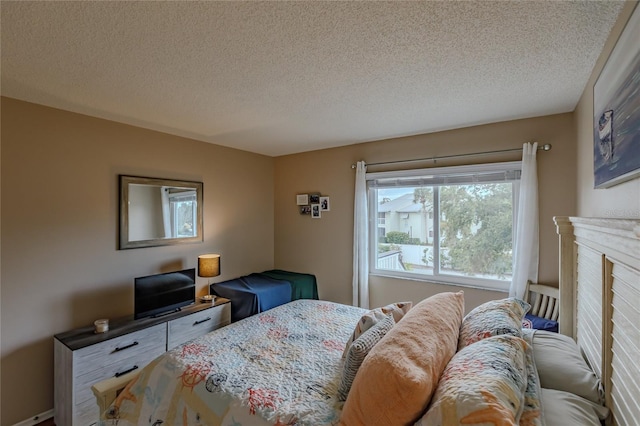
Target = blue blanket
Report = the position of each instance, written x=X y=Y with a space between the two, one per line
x=253 y=294
x=303 y=286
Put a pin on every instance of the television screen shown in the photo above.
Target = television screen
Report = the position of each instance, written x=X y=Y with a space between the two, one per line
x=164 y=293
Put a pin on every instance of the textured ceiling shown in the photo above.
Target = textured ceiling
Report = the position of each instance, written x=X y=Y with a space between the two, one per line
x=285 y=77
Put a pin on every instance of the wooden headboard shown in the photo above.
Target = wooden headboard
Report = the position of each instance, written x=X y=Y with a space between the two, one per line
x=600 y=304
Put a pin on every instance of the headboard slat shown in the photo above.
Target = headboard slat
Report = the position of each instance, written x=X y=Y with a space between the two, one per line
x=556 y=311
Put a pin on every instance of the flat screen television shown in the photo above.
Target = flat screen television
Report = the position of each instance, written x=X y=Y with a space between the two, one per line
x=160 y=294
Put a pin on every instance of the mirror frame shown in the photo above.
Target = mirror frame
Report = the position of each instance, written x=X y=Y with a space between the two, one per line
x=124 y=242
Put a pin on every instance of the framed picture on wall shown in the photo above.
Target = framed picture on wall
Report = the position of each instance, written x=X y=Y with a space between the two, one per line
x=315 y=211
x=305 y=209
x=302 y=199
x=616 y=111
x=325 y=205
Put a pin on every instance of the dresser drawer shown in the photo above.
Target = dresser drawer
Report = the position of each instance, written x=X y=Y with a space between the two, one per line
x=183 y=329
x=115 y=356
x=100 y=372
x=119 y=348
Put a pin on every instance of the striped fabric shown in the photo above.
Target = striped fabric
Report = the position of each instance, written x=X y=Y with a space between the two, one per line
x=359 y=350
x=369 y=319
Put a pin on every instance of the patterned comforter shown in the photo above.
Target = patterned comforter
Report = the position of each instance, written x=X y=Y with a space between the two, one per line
x=280 y=367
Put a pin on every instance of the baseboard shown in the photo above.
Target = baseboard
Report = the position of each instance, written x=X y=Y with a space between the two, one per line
x=38 y=418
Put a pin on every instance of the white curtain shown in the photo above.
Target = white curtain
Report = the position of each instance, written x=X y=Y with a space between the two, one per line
x=526 y=250
x=361 y=240
x=166 y=212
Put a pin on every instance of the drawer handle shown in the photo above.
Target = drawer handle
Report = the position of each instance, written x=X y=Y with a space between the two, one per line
x=135 y=367
x=125 y=347
x=201 y=321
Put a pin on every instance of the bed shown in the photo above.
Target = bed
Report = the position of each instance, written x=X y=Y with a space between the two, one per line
x=313 y=362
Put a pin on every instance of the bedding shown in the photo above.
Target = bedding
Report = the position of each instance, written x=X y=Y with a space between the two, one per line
x=554 y=357
x=567 y=409
x=395 y=382
x=281 y=366
x=358 y=350
x=285 y=367
x=493 y=318
x=370 y=318
x=483 y=383
x=252 y=294
x=532 y=410
x=494 y=376
x=538 y=323
x=561 y=366
x=303 y=286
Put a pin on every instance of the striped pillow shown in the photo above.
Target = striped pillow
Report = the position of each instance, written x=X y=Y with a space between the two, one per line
x=359 y=350
x=370 y=318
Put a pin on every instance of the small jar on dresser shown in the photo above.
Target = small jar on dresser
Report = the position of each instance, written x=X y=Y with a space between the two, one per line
x=83 y=357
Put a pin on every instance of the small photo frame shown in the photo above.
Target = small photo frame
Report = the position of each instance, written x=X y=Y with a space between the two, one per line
x=305 y=209
x=325 y=205
x=302 y=199
x=314 y=198
x=315 y=211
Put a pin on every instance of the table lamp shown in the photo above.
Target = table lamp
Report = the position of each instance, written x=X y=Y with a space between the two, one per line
x=208 y=267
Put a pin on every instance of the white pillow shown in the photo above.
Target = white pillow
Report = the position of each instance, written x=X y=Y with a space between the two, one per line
x=561 y=366
x=566 y=409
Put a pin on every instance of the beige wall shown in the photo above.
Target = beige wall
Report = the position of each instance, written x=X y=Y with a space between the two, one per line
x=60 y=265
x=324 y=247
x=621 y=201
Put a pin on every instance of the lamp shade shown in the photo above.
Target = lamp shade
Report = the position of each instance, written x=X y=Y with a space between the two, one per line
x=209 y=265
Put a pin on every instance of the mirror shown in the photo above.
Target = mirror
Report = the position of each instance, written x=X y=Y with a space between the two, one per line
x=159 y=212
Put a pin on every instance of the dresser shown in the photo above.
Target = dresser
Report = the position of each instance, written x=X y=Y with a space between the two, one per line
x=82 y=358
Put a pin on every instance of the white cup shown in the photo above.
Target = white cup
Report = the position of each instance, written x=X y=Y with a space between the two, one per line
x=102 y=325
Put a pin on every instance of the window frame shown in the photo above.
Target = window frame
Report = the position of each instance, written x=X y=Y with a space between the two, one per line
x=436 y=173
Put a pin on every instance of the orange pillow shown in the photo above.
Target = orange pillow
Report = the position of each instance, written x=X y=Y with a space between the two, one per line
x=395 y=382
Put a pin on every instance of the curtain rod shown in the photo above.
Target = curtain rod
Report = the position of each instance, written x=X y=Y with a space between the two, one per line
x=545 y=147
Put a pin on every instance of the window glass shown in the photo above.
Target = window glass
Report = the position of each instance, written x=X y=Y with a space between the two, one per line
x=459 y=232
x=183 y=213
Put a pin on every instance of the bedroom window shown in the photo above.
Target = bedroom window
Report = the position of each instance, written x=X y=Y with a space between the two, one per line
x=182 y=205
x=452 y=225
